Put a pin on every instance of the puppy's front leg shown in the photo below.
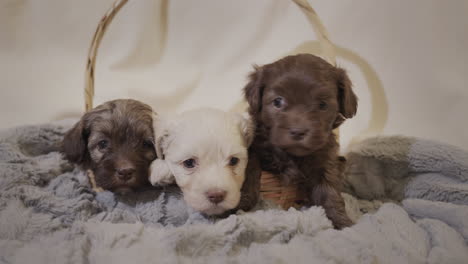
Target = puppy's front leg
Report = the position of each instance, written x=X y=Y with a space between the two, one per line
x=330 y=199
x=250 y=191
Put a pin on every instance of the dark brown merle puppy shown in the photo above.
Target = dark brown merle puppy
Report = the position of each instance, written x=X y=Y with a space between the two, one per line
x=115 y=142
x=296 y=102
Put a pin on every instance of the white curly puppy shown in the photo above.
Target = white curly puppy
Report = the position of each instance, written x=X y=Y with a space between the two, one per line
x=205 y=152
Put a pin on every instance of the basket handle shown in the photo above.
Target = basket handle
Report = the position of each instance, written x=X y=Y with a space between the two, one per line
x=326 y=45
x=93 y=51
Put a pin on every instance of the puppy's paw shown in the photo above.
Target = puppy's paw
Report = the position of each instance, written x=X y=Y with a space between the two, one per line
x=160 y=173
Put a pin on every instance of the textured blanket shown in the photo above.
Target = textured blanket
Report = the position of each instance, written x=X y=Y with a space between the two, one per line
x=409 y=198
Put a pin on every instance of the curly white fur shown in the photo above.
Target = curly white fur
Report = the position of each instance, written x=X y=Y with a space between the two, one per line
x=210 y=138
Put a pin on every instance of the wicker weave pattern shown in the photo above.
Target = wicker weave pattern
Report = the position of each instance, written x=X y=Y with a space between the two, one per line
x=271 y=187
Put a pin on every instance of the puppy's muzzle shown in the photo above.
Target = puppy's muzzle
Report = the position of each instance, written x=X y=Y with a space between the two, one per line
x=298 y=133
x=125 y=171
x=216 y=196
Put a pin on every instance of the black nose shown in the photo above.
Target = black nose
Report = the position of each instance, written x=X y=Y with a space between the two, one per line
x=298 y=133
x=125 y=173
x=216 y=196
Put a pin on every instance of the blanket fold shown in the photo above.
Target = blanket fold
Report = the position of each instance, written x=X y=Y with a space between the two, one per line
x=396 y=167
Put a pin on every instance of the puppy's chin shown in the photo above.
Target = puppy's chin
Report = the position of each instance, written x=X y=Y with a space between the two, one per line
x=214 y=210
x=107 y=180
x=298 y=151
x=298 y=148
x=211 y=209
x=123 y=190
x=203 y=206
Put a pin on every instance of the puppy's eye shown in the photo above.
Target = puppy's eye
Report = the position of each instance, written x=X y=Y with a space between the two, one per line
x=103 y=144
x=189 y=163
x=278 y=102
x=233 y=161
x=148 y=144
x=323 y=105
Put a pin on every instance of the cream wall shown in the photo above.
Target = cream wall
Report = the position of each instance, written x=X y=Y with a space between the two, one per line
x=407 y=59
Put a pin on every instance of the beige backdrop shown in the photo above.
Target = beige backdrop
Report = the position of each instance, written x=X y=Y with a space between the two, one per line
x=407 y=59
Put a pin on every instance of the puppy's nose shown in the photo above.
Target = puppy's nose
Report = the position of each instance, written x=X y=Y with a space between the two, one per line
x=298 y=133
x=125 y=173
x=216 y=196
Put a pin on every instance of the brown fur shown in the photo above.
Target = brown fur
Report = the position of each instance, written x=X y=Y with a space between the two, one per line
x=294 y=138
x=121 y=163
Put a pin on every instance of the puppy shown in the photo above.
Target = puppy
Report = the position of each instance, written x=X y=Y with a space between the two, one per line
x=205 y=153
x=114 y=141
x=296 y=103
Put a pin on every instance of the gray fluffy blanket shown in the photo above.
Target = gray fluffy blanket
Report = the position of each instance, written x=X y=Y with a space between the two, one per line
x=409 y=198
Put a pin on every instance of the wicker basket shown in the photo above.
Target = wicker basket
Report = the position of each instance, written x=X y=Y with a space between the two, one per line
x=271 y=187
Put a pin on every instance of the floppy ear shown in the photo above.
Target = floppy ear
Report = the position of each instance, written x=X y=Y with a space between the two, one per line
x=247 y=128
x=253 y=91
x=160 y=171
x=338 y=120
x=74 y=144
x=161 y=132
x=346 y=98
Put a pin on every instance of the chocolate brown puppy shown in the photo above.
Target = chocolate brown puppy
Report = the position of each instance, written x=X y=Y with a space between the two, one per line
x=115 y=142
x=296 y=102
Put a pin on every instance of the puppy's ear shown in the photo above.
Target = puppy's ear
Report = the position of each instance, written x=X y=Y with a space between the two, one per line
x=253 y=91
x=74 y=144
x=161 y=133
x=347 y=100
x=160 y=173
x=247 y=128
x=338 y=120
